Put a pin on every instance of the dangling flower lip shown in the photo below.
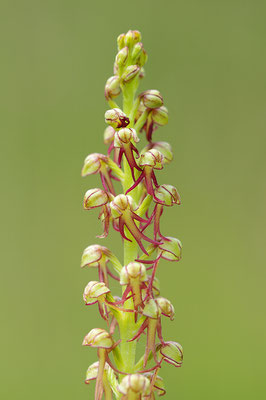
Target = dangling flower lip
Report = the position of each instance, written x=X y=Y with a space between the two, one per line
x=121 y=209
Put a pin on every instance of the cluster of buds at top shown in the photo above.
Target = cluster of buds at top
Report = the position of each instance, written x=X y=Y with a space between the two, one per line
x=140 y=309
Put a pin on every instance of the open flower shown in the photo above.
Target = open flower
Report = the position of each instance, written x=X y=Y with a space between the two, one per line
x=92 y=373
x=122 y=209
x=153 y=310
x=99 y=256
x=149 y=161
x=164 y=196
x=99 y=198
x=133 y=276
x=123 y=140
x=171 y=352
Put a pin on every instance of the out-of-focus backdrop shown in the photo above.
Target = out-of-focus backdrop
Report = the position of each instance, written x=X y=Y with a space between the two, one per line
x=208 y=60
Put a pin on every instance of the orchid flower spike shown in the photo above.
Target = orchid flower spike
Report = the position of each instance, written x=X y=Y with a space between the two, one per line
x=131 y=202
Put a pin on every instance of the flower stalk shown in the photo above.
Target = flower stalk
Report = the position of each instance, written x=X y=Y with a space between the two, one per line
x=137 y=313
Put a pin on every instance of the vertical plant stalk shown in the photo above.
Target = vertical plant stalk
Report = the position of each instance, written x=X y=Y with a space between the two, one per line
x=140 y=308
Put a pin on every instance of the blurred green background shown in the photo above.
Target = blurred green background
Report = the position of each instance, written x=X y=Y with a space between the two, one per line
x=208 y=60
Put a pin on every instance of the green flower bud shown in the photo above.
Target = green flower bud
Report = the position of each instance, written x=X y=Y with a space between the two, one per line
x=108 y=135
x=151 y=309
x=98 y=337
x=135 y=384
x=133 y=271
x=130 y=73
x=152 y=158
x=96 y=198
x=121 y=41
x=124 y=136
x=158 y=384
x=136 y=52
x=116 y=118
x=93 y=291
x=121 y=57
x=152 y=99
x=166 y=307
x=164 y=147
x=172 y=352
x=143 y=59
x=160 y=116
x=170 y=249
x=132 y=37
x=167 y=194
x=93 y=163
x=112 y=87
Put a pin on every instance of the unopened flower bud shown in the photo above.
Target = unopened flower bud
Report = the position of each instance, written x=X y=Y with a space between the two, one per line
x=96 y=198
x=121 y=57
x=151 y=309
x=152 y=99
x=98 y=337
x=158 y=384
x=135 y=384
x=116 y=118
x=133 y=271
x=136 y=52
x=121 y=41
x=164 y=147
x=125 y=135
x=112 y=87
x=160 y=116
x=93 y=291
x=152 y=158
x=108 y=135
x=167 y=194
x=132 y=37
x=172 y=353
x=130 y=72
x=166 y=307
x=93 y=163
x=170 y=249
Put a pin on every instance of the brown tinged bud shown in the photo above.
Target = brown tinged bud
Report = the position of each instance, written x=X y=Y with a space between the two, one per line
x=132 y=37
x=130 y=73
x=116 y=118
x=152 y=99
x=133 y=386
x=121 y=57
x=121 y=41
x=112 y=87
x=136 y=52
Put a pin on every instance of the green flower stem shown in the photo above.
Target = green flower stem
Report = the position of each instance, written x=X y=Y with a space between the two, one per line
x=127 y=325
